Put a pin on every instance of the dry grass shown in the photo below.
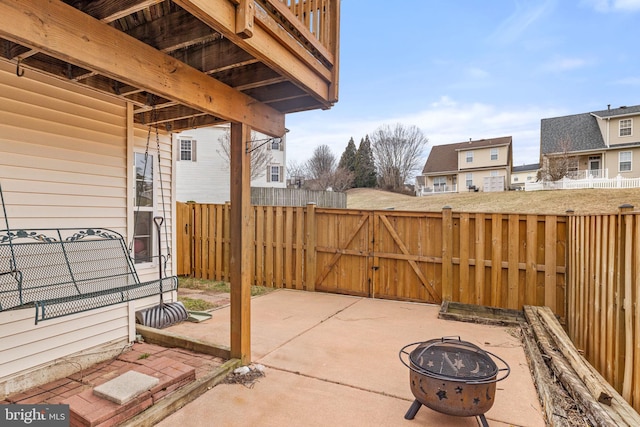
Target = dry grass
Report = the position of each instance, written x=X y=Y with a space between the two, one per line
x=590 y=201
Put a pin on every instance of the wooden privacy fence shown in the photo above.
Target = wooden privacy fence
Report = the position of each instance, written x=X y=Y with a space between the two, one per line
x=500 y=260
x=585 y=268
x=604 y=296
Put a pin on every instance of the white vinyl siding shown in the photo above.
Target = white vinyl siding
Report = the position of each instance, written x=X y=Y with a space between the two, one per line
x=63 y=163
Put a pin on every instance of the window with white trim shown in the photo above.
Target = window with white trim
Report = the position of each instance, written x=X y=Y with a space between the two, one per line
x=187 y=149
x=439 y=183
x=626 y=127
x=624 y=161
x=494 y=154
x=469 y=180
x=469 y=156
x=143 y=213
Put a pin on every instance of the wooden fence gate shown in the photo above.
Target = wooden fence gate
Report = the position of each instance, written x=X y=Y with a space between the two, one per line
x=500 y=260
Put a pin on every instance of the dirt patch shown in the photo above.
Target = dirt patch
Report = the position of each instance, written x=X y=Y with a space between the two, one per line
x=219 y=299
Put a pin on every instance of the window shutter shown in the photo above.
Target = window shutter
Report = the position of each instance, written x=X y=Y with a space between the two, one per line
x=268 y=173
x=269 y=145
x=281 y=144
x=179 y=144
x=281 y=174
x=193 y=150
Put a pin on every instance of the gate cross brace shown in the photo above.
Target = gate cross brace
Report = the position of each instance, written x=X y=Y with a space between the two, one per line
x=411 y=262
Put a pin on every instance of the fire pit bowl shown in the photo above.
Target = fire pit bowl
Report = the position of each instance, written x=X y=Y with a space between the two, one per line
x=452 y=376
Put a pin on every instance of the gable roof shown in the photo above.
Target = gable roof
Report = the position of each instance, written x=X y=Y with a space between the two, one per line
x=444 y=158
x=526 y=168
x=578 y=132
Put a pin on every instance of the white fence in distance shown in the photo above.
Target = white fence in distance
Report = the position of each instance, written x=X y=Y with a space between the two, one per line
x=577 y=184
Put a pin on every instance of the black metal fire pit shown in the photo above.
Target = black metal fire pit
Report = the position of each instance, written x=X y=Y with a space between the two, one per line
x=452 y=376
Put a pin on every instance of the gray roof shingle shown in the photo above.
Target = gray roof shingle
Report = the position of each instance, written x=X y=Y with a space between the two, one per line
x=578 y=132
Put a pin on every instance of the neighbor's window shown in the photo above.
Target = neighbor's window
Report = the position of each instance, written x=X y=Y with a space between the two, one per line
x=494 y=154
x=624 y=160
x=469 y=179
x=469 y=156
x=439 y=183
x=275 y=143
x=515 y=179
x=188 y=150
x=275 y=173
x=143 y=213
x=625 y=127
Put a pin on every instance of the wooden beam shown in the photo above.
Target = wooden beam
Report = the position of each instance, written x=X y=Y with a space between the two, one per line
x=277 y=53
x=75 y=37
x=240 y=266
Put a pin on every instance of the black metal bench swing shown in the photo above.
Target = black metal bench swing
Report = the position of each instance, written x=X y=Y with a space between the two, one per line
x=62 y=271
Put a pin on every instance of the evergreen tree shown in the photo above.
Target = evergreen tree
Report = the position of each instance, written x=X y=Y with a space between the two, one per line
x=365 y=169
x=348 y=158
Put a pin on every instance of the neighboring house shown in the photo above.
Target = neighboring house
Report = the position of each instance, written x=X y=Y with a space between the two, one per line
x=599 y=144
x=520 y=175
x=482 y=165
x=202 y=169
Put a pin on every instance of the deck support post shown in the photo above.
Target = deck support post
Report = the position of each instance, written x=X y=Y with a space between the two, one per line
x=241 y=238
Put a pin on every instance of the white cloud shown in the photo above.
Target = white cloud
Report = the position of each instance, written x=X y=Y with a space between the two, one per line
x=525 y=15
x=444 y=121
x=614 y=5
x=560 y=64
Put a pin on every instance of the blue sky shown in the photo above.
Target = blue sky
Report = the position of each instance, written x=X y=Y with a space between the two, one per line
x=474 y=69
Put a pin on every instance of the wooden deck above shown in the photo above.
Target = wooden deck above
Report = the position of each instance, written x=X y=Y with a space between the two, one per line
x=184 y=63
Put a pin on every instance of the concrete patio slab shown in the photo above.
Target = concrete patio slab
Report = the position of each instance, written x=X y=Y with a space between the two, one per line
x=333 y=360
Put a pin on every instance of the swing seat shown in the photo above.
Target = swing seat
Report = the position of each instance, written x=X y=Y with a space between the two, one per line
x=62 y=271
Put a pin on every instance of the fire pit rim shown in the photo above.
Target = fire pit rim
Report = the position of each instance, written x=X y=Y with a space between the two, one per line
x=417 y=369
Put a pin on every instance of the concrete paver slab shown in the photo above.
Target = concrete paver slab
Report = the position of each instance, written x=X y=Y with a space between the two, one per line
x=125 y=387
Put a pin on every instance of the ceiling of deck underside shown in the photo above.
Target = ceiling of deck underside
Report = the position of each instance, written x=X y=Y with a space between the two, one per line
x=170 y=29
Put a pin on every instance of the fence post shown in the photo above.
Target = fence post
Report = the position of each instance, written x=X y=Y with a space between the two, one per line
x=626 y=288
x=310 y=252
x=447 y=248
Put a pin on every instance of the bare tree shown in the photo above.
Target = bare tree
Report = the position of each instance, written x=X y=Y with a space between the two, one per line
x=321 y=167
x=397 y=151
x=260 y=155
x=297 y=173
x=342 y=179
x=557 y=166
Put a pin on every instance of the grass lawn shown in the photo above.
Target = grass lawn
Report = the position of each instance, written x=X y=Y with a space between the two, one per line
x=589 y=201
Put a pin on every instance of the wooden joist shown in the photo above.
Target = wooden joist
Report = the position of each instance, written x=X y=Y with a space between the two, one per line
x=73 y=36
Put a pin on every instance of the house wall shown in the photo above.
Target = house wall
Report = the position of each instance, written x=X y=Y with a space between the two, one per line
x=520 y=178
x=207 y=179
x=65 y=161
x=613 y=134
x=482 y=158
x=611 y=162
x=478 y=178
